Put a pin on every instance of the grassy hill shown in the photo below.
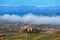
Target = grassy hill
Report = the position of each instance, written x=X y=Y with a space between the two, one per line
x=34 y=36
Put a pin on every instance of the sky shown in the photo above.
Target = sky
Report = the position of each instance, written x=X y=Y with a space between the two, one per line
x=30 y=11
x=8 y=6
x=31 y=2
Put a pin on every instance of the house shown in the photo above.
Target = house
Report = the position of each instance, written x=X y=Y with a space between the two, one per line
x=48 y=30
x=51 y=30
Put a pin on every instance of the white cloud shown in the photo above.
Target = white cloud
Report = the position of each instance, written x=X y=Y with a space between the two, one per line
x=46 y=5
x=5 y=5
x=16 y=5
x=9 y=5
x=12 y=18
x=31 y=18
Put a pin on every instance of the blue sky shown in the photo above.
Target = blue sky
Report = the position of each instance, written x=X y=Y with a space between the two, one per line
x=31 y=2
x=33 y=11
x=14 y=6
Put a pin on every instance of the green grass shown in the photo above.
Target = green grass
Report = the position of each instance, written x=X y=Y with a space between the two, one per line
x=33 y=36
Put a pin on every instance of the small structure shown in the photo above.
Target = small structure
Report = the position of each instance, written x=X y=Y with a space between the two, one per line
x=29 y=28
x=51 y=30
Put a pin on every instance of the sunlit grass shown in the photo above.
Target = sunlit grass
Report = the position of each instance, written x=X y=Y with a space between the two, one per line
x=34 y=36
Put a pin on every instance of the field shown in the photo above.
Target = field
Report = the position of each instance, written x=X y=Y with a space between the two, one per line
x=33 y=36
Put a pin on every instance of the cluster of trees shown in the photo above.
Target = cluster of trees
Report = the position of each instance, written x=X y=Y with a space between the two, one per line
x=34 y=30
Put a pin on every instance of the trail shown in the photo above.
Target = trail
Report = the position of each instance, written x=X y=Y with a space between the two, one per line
x=37 y=37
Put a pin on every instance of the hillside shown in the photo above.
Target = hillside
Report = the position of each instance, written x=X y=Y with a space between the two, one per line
x=33 y=36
